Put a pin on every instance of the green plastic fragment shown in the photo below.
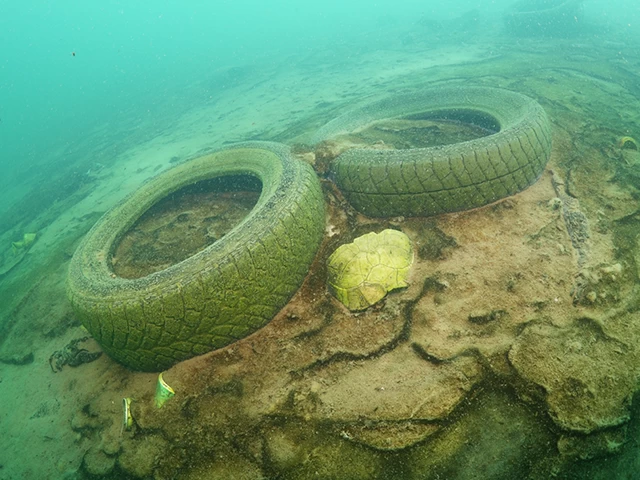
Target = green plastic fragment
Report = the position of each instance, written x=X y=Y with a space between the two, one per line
x=363 y=272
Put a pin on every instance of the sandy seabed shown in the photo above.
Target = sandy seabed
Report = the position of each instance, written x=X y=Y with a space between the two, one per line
x=514 y=352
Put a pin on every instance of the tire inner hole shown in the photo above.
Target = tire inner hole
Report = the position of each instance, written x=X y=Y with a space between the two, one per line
x=427 y=129
x=184 y=223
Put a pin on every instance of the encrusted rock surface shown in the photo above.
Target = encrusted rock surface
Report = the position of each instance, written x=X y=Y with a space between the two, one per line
x=580 y=396
x=513 y=352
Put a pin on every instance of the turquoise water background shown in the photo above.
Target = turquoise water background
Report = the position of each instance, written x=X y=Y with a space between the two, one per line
x=73 y=73
x=132 y=58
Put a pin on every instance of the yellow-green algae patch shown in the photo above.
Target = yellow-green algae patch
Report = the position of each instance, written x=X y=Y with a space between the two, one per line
x=361 y=273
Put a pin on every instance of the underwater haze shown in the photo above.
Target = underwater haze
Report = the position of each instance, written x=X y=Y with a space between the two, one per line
x=67 y=67
x=343 y=239
x=134 y=58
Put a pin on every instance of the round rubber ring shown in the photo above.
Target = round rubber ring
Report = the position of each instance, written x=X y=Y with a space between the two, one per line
x=448 y=178
x=218 y=295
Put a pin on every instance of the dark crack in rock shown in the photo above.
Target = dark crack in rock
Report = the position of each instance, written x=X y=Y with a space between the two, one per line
x=399 y=386
x=575 y=221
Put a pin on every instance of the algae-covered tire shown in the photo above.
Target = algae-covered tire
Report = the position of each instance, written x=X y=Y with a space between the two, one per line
x=218 y=295
x=447 y=178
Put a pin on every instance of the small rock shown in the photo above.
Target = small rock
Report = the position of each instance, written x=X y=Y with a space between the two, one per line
x=555 y=203
x=17 y=359
x=138 y=458
x=82 y=421
x=96 y=462
x=596 y=445
x=612 y=270
x=308 y=157
x=111 y=443
x=482 y=318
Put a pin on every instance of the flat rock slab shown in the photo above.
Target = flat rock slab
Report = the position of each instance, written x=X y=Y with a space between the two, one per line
x=512 y=263
x=560 y=360
x=397 y=386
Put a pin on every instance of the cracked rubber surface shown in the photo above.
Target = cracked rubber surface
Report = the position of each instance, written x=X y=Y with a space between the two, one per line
x=222 y=293
x=448 y=178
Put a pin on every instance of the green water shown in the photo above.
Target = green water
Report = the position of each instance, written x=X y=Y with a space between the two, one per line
x=514 y=352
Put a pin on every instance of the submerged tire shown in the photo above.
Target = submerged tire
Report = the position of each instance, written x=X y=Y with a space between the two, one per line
x=218 y=295
x=448 y=178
